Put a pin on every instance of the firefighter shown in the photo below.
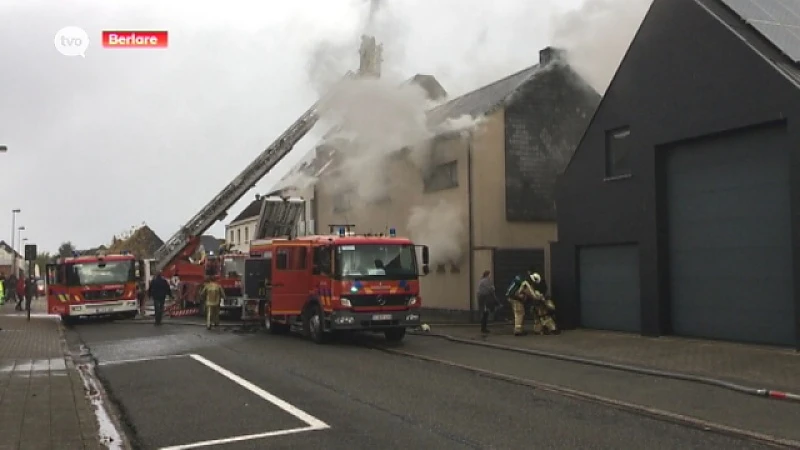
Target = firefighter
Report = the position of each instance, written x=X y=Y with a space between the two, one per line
x=213 y=294
x=519 y=294
x=543 y=307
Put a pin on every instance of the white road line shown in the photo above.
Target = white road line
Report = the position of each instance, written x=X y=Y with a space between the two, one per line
x=242 y=438
x=313 y=422
x=135 y=360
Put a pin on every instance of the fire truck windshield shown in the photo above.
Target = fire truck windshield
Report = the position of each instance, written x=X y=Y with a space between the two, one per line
x=392 y=261
x=112 y=272
x=233 y=267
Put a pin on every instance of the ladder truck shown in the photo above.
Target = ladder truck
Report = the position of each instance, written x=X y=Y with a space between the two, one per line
x=183 y=244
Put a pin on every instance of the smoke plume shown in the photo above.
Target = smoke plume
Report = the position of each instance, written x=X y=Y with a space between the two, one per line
x=441 y=228
x=597 y=36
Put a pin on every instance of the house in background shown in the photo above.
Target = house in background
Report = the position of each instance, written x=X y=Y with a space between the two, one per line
x=485 y=199
x=240 y=231
x=7 y=260
x=680 y=210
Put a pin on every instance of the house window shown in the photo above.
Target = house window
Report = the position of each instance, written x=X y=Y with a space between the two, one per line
x=231 y=237
x=341 y=202
x=247 y=234
x=239 y=236
x=618 y=153
x=443 y=176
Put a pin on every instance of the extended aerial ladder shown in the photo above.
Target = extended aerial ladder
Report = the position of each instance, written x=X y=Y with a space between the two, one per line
x=185 y=240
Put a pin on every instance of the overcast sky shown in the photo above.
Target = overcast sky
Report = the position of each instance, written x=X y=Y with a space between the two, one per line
x=126 y=136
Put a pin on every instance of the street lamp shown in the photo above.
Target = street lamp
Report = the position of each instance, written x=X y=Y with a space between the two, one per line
x=14 y=213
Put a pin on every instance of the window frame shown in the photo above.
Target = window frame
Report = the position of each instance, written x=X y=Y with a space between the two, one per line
x=443 y=176
x=617 y=140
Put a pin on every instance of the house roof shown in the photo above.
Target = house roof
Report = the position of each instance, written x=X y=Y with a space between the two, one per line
x=210 y=243
x=483 y=100
x=766 y=31
x=323 y=154
x=252 y=210
x=8 y=248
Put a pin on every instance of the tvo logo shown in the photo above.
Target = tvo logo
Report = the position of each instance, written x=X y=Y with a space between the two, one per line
x=72 y=41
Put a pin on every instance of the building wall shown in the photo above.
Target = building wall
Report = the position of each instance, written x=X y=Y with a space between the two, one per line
x=685 y=75
x=240 y=233
x=7 y=261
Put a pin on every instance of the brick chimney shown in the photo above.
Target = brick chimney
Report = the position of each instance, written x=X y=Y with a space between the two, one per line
x=550 y=54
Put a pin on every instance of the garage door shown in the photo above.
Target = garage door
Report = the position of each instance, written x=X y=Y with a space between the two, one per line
x=729 y=239
x=509 y=263
x=609 y=287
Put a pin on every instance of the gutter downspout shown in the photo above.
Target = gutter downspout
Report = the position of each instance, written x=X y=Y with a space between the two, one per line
x=471 y=232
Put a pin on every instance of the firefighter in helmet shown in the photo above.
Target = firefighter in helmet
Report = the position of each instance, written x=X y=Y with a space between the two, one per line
x=543 y=307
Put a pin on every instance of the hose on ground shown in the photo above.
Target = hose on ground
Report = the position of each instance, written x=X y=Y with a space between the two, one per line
x=760 y=392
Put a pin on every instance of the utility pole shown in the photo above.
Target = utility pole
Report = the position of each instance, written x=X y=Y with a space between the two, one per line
x=14 y=267
x=19 y=240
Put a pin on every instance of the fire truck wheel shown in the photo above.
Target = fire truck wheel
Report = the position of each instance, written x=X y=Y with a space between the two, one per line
x=269 y=325
x=313 y=326
x=395 y=334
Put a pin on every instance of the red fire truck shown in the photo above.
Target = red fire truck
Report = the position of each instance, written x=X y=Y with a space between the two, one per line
x=226 y=269
x=341 y=282
x=93 y=286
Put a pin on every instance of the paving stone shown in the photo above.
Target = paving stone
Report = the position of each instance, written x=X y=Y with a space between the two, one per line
x=43 y=404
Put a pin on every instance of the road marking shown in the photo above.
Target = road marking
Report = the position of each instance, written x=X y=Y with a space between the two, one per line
x=135 y=360
x=312 y=421
x=242 y=438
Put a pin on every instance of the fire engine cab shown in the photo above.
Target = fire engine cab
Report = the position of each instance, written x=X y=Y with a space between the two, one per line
x=93 y=286
x=323 y=284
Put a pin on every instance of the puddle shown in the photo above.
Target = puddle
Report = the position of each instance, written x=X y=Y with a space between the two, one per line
x=109 y=435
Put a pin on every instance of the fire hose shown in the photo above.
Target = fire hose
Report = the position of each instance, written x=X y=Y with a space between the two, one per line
x=759 y=392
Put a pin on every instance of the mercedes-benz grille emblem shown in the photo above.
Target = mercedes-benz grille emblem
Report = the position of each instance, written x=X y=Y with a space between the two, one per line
x=381 y=300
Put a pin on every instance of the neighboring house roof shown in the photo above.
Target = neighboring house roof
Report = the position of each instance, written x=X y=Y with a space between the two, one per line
x=8 y=248
x=772 y=32
x=252 y=210
x=209 y=243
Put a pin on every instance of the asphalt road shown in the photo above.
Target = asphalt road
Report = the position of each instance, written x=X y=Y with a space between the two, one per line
x=255 y=387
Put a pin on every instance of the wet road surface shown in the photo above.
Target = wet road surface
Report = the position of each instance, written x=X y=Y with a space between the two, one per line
x=253 y=391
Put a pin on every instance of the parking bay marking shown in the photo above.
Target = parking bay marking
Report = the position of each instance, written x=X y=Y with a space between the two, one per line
x=314 y=424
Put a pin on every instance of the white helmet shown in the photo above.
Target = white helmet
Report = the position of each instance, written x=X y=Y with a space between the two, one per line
x=536 y=278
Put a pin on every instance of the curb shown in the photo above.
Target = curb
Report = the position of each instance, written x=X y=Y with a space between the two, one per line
x=621 y=405
x=69 y=359
x=758 y=392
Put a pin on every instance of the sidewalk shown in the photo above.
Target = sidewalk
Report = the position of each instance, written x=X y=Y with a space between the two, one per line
x=43 y=403
x=756 y=366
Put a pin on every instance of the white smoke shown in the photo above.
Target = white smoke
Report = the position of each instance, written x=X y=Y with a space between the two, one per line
x=597 y=36
x=462 y=124
x=441 y=227
x=374 y=119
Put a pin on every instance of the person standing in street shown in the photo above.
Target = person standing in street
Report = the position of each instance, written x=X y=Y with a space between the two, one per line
x=487 y=300
x=30 y=292
x=2 y=288
x=213 y=294
x=10 y=289
x=158 y=291
x=20 y=293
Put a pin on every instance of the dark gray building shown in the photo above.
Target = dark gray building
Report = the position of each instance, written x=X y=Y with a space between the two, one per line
x=679 y=212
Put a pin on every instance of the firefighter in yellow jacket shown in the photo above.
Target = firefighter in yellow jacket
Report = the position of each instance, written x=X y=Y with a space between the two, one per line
x=543 y=307
x=213 y=295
